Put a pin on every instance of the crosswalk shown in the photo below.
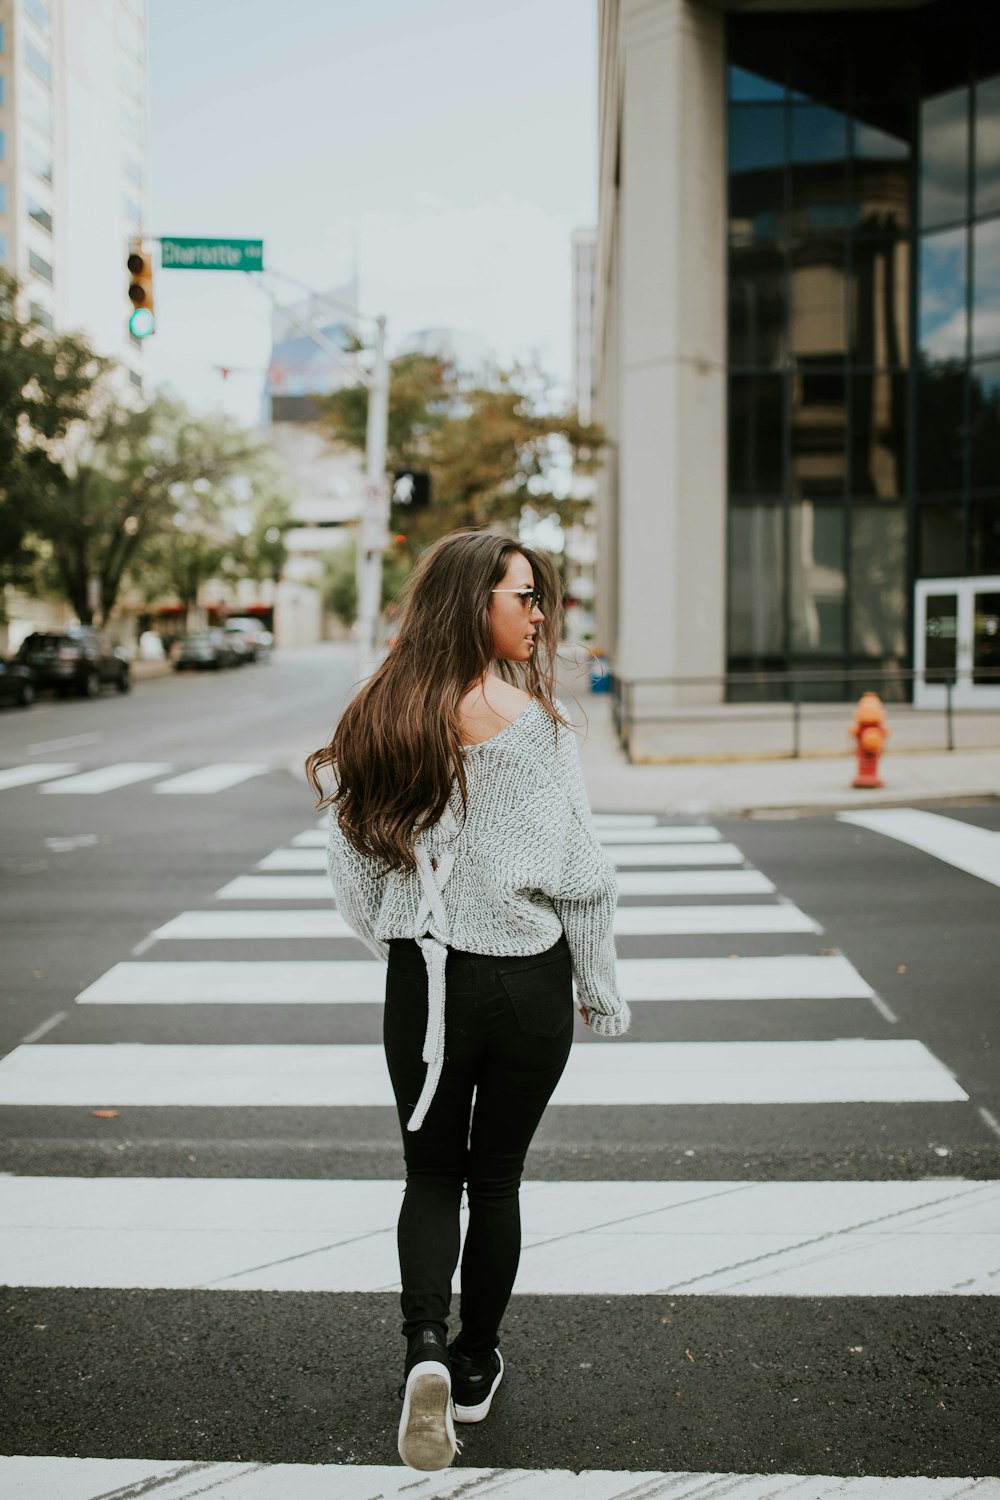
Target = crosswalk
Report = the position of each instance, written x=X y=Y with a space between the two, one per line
x=68 y=780
x=590 y=1240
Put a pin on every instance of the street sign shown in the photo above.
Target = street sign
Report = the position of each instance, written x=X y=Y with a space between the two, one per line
x=211 y=255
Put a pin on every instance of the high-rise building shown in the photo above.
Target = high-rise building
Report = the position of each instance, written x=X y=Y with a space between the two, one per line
x=584 y=249
x=73 y=162
x=798 y=335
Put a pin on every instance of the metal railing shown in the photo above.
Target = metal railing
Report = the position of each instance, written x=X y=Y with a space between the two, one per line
x=796 y=685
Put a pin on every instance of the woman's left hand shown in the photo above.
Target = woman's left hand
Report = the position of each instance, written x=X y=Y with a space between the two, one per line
x=584 y=1015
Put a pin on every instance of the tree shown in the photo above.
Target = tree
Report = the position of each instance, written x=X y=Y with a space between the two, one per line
x=46 y=387
x=495 y=452
x=340 y=584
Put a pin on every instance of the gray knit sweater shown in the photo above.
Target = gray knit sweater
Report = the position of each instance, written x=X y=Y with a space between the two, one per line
x=523 y=867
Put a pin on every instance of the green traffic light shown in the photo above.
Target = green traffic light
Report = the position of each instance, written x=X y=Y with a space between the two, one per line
x=142 y=323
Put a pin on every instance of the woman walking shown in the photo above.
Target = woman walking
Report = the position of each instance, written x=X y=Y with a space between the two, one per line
x=462 y=851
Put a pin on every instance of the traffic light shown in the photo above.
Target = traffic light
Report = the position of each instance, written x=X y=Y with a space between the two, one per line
x=411 y=490
x=142 y=321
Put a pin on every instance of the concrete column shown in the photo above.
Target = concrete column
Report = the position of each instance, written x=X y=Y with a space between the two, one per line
x=671 y=326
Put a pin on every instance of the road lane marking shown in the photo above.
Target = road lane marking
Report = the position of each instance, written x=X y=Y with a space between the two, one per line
x=627 y=1073
x=109 y=778
x=631 y=921
x=44 y=746
x=630 y=883
x=362 y=981
x=974 y=850
x=26 y=775
x=171 y=1479
x=799 y=1239
x=218 y=777
x=661 y=855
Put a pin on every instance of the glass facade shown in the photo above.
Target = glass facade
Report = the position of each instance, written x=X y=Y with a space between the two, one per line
x=864 y=327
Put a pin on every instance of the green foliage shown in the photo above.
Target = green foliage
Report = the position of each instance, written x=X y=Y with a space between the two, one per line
x=340 y=585
x=494 y=452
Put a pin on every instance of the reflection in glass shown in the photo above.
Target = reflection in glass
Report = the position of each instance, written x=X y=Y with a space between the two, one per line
x=944 y=158
x=986 y=637
x=756 y=426
x=878 y=589
x=988 y=146
x=879 y=302
x=879 y=145
x=984 y=425
x=756 y=584
x=985 y=521
x=819 y=167
x=942 y=318
x=818 y=430
x=940 y=429
x=940 y=634
x=745 y=85
x=817 y=579
x=986 y=287
x=878 y=433
x=939 y=541
x=756 y=304
x=756 y=164
x=817 y=322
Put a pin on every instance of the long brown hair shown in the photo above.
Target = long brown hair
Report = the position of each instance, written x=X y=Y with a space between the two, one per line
x=398 y=745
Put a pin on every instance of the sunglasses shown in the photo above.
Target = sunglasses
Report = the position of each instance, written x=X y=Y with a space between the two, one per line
x=530 y=598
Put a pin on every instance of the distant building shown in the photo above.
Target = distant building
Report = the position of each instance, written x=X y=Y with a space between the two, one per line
x=798 y=339
x=584 y=262
x=327 y=478
x=581 y=539
x=73 y=162
x=469 y=353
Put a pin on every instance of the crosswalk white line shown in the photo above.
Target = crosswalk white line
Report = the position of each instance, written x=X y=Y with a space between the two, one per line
x=662 y=855
x=624 y=820
x=38 y=771
x=811 y=1239
x=299 y=858
x=625 y=1073
x=218 y=777
x=613 y=833
x=974 y=850
x=29 y=1478
x=630 y=921
x=109 y=778
x=630 y=883
x=362 y=981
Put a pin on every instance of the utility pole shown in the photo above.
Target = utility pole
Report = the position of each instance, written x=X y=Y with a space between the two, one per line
x=374 y=531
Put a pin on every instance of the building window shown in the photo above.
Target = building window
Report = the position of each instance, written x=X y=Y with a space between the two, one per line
x=3 y=89
x=38 y=162
x=3 y=249
x=41 y=315
x=132 y=210
x=132 y=126
x=133 y=170
x=3 y=145
x=40 y=267
x=40 y=214
x=38 y=109
x=39 y=12
x=135 y=378
x=3 y=36
x=38 y=62
x=3 y=197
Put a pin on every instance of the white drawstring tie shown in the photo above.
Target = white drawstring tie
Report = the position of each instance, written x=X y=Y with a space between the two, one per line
x=433 y=935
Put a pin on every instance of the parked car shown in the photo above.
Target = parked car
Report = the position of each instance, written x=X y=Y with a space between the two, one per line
x=79 y=660
x=257 y=639
x=207 y=650
x=17 y=683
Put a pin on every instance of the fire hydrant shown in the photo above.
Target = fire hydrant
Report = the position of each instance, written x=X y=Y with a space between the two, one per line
x=871 y=731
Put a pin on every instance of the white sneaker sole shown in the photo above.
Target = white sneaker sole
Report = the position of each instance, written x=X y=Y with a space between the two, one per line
x=426 y=1428
x=477 y=1413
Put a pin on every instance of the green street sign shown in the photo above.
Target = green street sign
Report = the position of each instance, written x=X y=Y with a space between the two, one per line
x=211 y=255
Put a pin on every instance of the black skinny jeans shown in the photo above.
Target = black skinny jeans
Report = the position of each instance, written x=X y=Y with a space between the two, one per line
x=509 y=1025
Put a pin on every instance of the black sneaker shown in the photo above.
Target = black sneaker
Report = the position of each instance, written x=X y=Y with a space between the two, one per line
x=426 y=1428
x=474 y=1383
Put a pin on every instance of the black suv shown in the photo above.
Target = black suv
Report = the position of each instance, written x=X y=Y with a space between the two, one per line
x=79 y=660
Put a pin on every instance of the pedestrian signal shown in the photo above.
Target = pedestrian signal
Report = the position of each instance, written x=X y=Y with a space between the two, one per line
x=142 y=321
x=411 y=490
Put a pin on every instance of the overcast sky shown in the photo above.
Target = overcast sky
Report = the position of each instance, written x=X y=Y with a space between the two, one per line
x=447 y=147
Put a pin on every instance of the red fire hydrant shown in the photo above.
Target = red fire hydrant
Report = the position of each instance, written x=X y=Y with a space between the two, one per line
x=871 y=731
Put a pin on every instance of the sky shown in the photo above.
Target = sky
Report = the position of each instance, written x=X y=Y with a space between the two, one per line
x=444 y=148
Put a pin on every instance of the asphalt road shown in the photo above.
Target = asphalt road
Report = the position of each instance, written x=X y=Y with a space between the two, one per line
x=873 y=1378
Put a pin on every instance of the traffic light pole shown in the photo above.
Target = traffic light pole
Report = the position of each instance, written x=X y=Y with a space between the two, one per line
x=373 y=537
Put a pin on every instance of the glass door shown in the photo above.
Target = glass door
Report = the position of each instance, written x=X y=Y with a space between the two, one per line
x=957 y=623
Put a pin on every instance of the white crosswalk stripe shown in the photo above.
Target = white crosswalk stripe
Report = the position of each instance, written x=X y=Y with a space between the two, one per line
x=69 y=780
x=108 y=778
x=207 y=779
x=39 y=771
x=26 y=1478
x=630 y=921
x=974 y=850
x=599 y=1236
x=288 y=1074
x=800 y=1239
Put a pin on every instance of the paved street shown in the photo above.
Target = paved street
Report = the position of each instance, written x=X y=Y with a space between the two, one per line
x=762 y=1233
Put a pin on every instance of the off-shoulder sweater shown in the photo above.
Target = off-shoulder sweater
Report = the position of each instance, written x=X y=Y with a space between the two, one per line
x=521 y=868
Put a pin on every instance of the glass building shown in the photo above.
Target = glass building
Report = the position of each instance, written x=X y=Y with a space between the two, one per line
x=858 y=354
